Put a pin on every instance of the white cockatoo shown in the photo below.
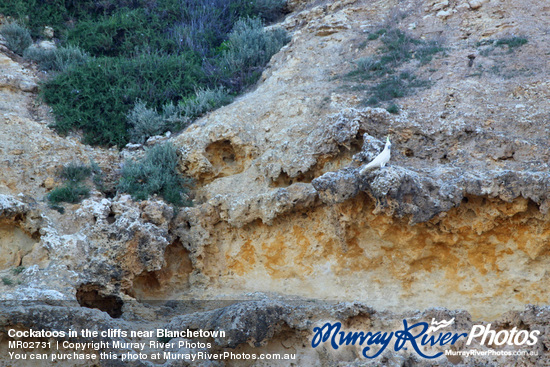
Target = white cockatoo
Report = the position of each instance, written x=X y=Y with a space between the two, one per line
x=380 y=160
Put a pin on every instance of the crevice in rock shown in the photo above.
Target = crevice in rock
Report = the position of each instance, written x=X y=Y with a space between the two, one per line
x=90 y=296
x=111 y=218
x=325 y=163
x=171 y=279
x=16 y=244
x=284 y=180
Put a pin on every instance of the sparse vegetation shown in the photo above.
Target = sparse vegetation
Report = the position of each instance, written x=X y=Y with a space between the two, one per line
x=7 y=281
x=18 y=270
x=74 y=188
x=156 y=174
x=69 y=193
x=510 y=42
x=395 y=86
x=388 y=82
x=393 y=109
x=75 y=172
x=497 y=50
x=18 y=38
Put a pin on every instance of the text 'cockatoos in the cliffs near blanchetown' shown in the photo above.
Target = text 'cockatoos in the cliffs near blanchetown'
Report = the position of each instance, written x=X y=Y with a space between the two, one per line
x=380 y=160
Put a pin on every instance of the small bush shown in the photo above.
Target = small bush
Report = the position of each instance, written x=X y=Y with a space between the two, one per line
x=144 y=122
x=18 y=38
x=394 y=87
x=489 y=45
x=247 y=50
x=75 y=172
x=375 y=35
x=70 y=193
x=426 y=51
x=156 y=173
x=393 y=109
x=73 y=190
x=7 y=281
x=512 y=42
x=58 y=59
x=66 y=57
x=368 y=68
x=18 y=270
x=205 y=100
x=45 y=58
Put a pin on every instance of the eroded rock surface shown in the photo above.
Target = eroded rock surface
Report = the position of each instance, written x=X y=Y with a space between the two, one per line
x=458 y=220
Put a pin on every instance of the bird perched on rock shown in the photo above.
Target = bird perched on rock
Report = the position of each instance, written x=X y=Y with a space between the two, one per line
x=380 y=160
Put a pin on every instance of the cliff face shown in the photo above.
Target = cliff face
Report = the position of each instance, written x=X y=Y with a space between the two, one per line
x=458 y=219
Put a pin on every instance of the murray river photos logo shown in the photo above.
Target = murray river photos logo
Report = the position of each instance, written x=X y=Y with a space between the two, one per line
x=417 y=335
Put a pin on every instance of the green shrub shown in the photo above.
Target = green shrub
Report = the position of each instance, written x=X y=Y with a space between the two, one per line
x=66 y=57
x=489 y=45
x=247 y=50
x=398 y=47
x=18 y=38
x=158 y=52
x=393 y=109
x=395 y=86
x=368 y=68
x=375 y=35
x=512 y=42
x=75 y=172
x=97 y=95
x=70 y=193
x=121 y=33
x=155 y=173
x=425 y=52
x=7 y=281
x=59 y=59
x=144 y=122
x=45 y=58
x=74 y=189
x=18 y=270
x=205 y=100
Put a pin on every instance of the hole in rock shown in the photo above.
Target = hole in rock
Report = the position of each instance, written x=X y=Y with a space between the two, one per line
x=284 y=180
x=88 y=295
x=169 y=280
x=225 y=159
x=111 y=218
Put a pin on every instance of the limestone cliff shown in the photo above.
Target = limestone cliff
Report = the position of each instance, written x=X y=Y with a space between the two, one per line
x=456 y=225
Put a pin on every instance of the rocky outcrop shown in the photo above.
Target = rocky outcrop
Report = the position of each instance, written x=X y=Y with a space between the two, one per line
x=271 y=326
x=282 y=218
